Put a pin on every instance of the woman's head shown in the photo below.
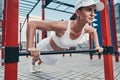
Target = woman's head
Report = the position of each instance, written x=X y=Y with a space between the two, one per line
x=86 y=14
x=85 y=10
x=84 y=3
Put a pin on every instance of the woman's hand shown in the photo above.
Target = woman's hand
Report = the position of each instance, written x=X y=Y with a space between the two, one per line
x=100 y=49
x=34 y=52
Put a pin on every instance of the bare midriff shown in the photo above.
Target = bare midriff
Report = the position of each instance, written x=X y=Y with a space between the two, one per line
x=54 y=46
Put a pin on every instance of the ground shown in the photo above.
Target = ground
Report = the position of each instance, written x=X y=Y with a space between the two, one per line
x=76 y=67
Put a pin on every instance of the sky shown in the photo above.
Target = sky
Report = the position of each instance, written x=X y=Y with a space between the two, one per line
x=116 y=1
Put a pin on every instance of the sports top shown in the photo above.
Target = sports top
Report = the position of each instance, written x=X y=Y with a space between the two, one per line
x=65 y=41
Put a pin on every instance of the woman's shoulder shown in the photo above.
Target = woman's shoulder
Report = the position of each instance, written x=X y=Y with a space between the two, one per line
x=63 y=24
x=88 y=28
x=59 y=25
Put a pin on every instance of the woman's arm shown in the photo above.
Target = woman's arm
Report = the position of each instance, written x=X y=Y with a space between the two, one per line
x=42 y=25
x=92 y=31
x=95 y=37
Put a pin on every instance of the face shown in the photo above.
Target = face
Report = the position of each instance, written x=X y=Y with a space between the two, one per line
x=86 y=14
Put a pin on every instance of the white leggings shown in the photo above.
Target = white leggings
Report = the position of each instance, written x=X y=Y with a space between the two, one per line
x=44 y=45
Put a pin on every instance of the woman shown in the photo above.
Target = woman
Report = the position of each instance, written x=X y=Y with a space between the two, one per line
x=67 y=33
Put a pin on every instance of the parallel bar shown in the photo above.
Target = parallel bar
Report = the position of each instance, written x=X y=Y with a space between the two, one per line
x=106 y=39
x=114 y=31
x=59 y=10
x=11 y=36
x=62 y=3
x=25 y=53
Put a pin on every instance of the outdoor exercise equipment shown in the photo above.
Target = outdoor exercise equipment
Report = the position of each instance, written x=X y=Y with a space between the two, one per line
x=15 y=57
x=11 y=40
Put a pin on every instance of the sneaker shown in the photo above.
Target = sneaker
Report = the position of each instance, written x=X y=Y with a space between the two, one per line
x=32 y=68
x=39 y=67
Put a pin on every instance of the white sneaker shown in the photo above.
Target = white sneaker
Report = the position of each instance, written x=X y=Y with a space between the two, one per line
x=32 y=68
x=39 y=67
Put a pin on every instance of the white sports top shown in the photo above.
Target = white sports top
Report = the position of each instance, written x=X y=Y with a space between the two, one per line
x=65 y=41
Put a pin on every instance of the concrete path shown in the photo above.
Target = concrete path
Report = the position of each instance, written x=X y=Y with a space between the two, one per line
x=77 y=67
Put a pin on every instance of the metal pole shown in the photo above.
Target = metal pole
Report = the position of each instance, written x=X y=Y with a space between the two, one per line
x=90 y=46
x=3 y=39
x=20 y=36
x=114 y=31
x=43 y=18
x=11 y=36
x=106 y=39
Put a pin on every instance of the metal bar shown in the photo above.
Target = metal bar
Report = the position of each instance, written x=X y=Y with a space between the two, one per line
x=57 y=6
x=114 y=30
x=43 y=18
x=25 y=53
x=23 y=23
x=59 y=10
x=106 y=39
x=62 y=3
x=90 y=46
x=20 y=43
x=11 y=28
x=34 y=6
x=66 y=8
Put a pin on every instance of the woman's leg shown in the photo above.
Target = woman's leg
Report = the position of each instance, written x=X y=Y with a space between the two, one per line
x=36 y=60
x=32 y=66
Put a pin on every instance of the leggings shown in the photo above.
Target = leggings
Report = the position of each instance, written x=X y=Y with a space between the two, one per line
x=44 y=45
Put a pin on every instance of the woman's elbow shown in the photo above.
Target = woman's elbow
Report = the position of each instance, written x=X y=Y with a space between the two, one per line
x=30 y=27
x=94 y=31
x=30 y=23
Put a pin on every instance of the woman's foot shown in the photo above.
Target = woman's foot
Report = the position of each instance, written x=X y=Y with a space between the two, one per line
x=36 y=63
x=32 y=68
x=38 y=68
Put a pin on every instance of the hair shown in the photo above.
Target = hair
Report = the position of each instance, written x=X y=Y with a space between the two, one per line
x=74 y=16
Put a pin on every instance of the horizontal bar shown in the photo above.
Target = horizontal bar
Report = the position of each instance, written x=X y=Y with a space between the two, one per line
x=25 y=53
x=62 y=3
x=59 y=10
